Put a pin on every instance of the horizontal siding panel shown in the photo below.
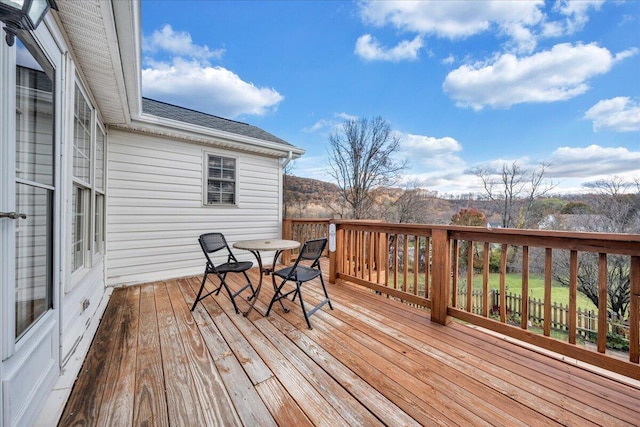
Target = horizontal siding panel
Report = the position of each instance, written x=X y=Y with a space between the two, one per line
x=156 y=152
x=155 y=209
x=121 y=162
x=199 y=214
x=191 y=227
x=151 y=172
x=142 y=195
x=157 y=187
x=145 y=173
x=232 y=231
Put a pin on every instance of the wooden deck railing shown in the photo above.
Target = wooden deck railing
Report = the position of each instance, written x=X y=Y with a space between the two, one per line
x=426 y=265
x=301 y=229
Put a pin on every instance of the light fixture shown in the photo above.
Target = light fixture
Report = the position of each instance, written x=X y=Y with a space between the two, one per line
x=23 y=15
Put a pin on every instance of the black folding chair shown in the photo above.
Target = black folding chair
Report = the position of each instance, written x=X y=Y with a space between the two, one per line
x=299 y=273
x=214 y=242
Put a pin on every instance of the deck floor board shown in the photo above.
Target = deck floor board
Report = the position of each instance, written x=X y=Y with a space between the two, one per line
x=370 y=361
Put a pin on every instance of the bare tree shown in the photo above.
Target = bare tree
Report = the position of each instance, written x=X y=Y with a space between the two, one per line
x=362 y=159
x=413 y=206
x=618 y=279
x=514 y=190
x=616 y=209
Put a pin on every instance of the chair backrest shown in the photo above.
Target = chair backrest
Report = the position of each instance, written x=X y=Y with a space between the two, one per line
x=312 y=250
x=212 y=242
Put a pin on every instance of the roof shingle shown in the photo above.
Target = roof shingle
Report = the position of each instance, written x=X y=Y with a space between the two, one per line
x=173 y=112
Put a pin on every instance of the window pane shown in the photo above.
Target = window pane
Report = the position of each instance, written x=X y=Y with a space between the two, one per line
x=34 y=120
x=77 y=226
x=100 y=144
x=33 y=255
x=221 y=186
x=82 y=138
x=99 y=226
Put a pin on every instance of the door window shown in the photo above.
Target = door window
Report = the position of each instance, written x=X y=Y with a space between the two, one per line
x=35 y=119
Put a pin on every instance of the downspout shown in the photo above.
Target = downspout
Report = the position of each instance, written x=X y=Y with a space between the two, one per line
x=287 y=159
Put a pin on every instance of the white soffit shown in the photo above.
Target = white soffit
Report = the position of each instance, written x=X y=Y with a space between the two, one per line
x=90 y=28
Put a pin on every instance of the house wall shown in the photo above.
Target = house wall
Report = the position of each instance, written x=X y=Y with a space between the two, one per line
x=36 y=178
x=155 y=209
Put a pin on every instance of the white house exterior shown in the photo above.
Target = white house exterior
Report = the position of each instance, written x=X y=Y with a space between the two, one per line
x=115 y=189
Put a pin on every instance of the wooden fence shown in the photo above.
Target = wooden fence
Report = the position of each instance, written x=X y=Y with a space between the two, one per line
x=587 y=320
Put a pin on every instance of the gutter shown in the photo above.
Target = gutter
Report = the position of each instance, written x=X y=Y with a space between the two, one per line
x=177 y=129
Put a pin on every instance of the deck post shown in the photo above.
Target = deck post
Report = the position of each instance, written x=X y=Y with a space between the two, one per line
x=440 y=276
x=287 y=234
x=333 y=263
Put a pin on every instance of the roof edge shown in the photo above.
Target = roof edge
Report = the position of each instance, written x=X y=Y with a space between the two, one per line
x=201 y=134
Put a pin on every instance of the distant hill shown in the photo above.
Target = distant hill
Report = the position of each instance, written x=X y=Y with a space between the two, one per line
x=312 y=198
x=311 y=190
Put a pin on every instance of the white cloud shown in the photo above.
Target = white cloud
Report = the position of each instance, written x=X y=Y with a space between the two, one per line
x=370 y=49
x=553 y=75
x=346 y=116
x=449 y=60
x=620 y=114
x=568 y=162
x=188 y=79
x=177 y=43
x=330 y=125
x=576 y=13
x=430 y=155
x=206 y=88
x=458 y=19
x=450 y=19
x=521 y=23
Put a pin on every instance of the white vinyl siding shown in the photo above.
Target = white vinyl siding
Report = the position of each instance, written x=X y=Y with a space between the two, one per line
x=155 y=209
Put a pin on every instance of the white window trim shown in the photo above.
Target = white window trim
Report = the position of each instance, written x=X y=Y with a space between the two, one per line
x=91 y=257
x=205 y=179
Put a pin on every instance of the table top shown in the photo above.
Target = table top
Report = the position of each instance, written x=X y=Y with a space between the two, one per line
x=266 y=244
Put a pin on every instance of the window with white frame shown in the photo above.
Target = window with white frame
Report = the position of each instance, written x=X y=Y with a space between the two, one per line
x=221 y=180
x=88 y=193
x=82 y=125
x=99 y=221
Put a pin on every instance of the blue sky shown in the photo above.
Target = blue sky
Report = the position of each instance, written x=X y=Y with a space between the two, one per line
x=463 y=84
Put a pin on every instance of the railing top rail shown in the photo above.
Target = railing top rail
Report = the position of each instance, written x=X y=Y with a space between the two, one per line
x=624 y=244
x=314 y=220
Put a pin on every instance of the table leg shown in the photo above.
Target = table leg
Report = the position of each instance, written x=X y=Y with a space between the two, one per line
x=253 y=298
x=275 y=287
x=263 y=271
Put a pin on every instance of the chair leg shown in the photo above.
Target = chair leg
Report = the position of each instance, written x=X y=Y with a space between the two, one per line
x=226 y=287
x=325 y=292
x=253 y=291
x=275 y=296
x=204 y=280
x=304 y=311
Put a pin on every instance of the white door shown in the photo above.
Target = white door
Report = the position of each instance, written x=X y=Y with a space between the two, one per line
x=27 y=224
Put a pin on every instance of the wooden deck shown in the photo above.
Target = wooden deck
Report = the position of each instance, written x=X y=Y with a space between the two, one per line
x=370 y=361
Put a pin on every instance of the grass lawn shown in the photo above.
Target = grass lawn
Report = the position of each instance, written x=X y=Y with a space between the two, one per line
x=559 y=294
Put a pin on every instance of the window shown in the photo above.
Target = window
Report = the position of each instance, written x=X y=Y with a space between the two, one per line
x=221 y=180
x=81 y=180
x=35 y=118
x=99 y=221
x=88 y=194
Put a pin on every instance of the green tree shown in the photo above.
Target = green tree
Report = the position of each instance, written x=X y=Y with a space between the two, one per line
x=470 y=217
x=576 y=208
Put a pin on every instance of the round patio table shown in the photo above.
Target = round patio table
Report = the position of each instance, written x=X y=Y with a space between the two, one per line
x=264 y=245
